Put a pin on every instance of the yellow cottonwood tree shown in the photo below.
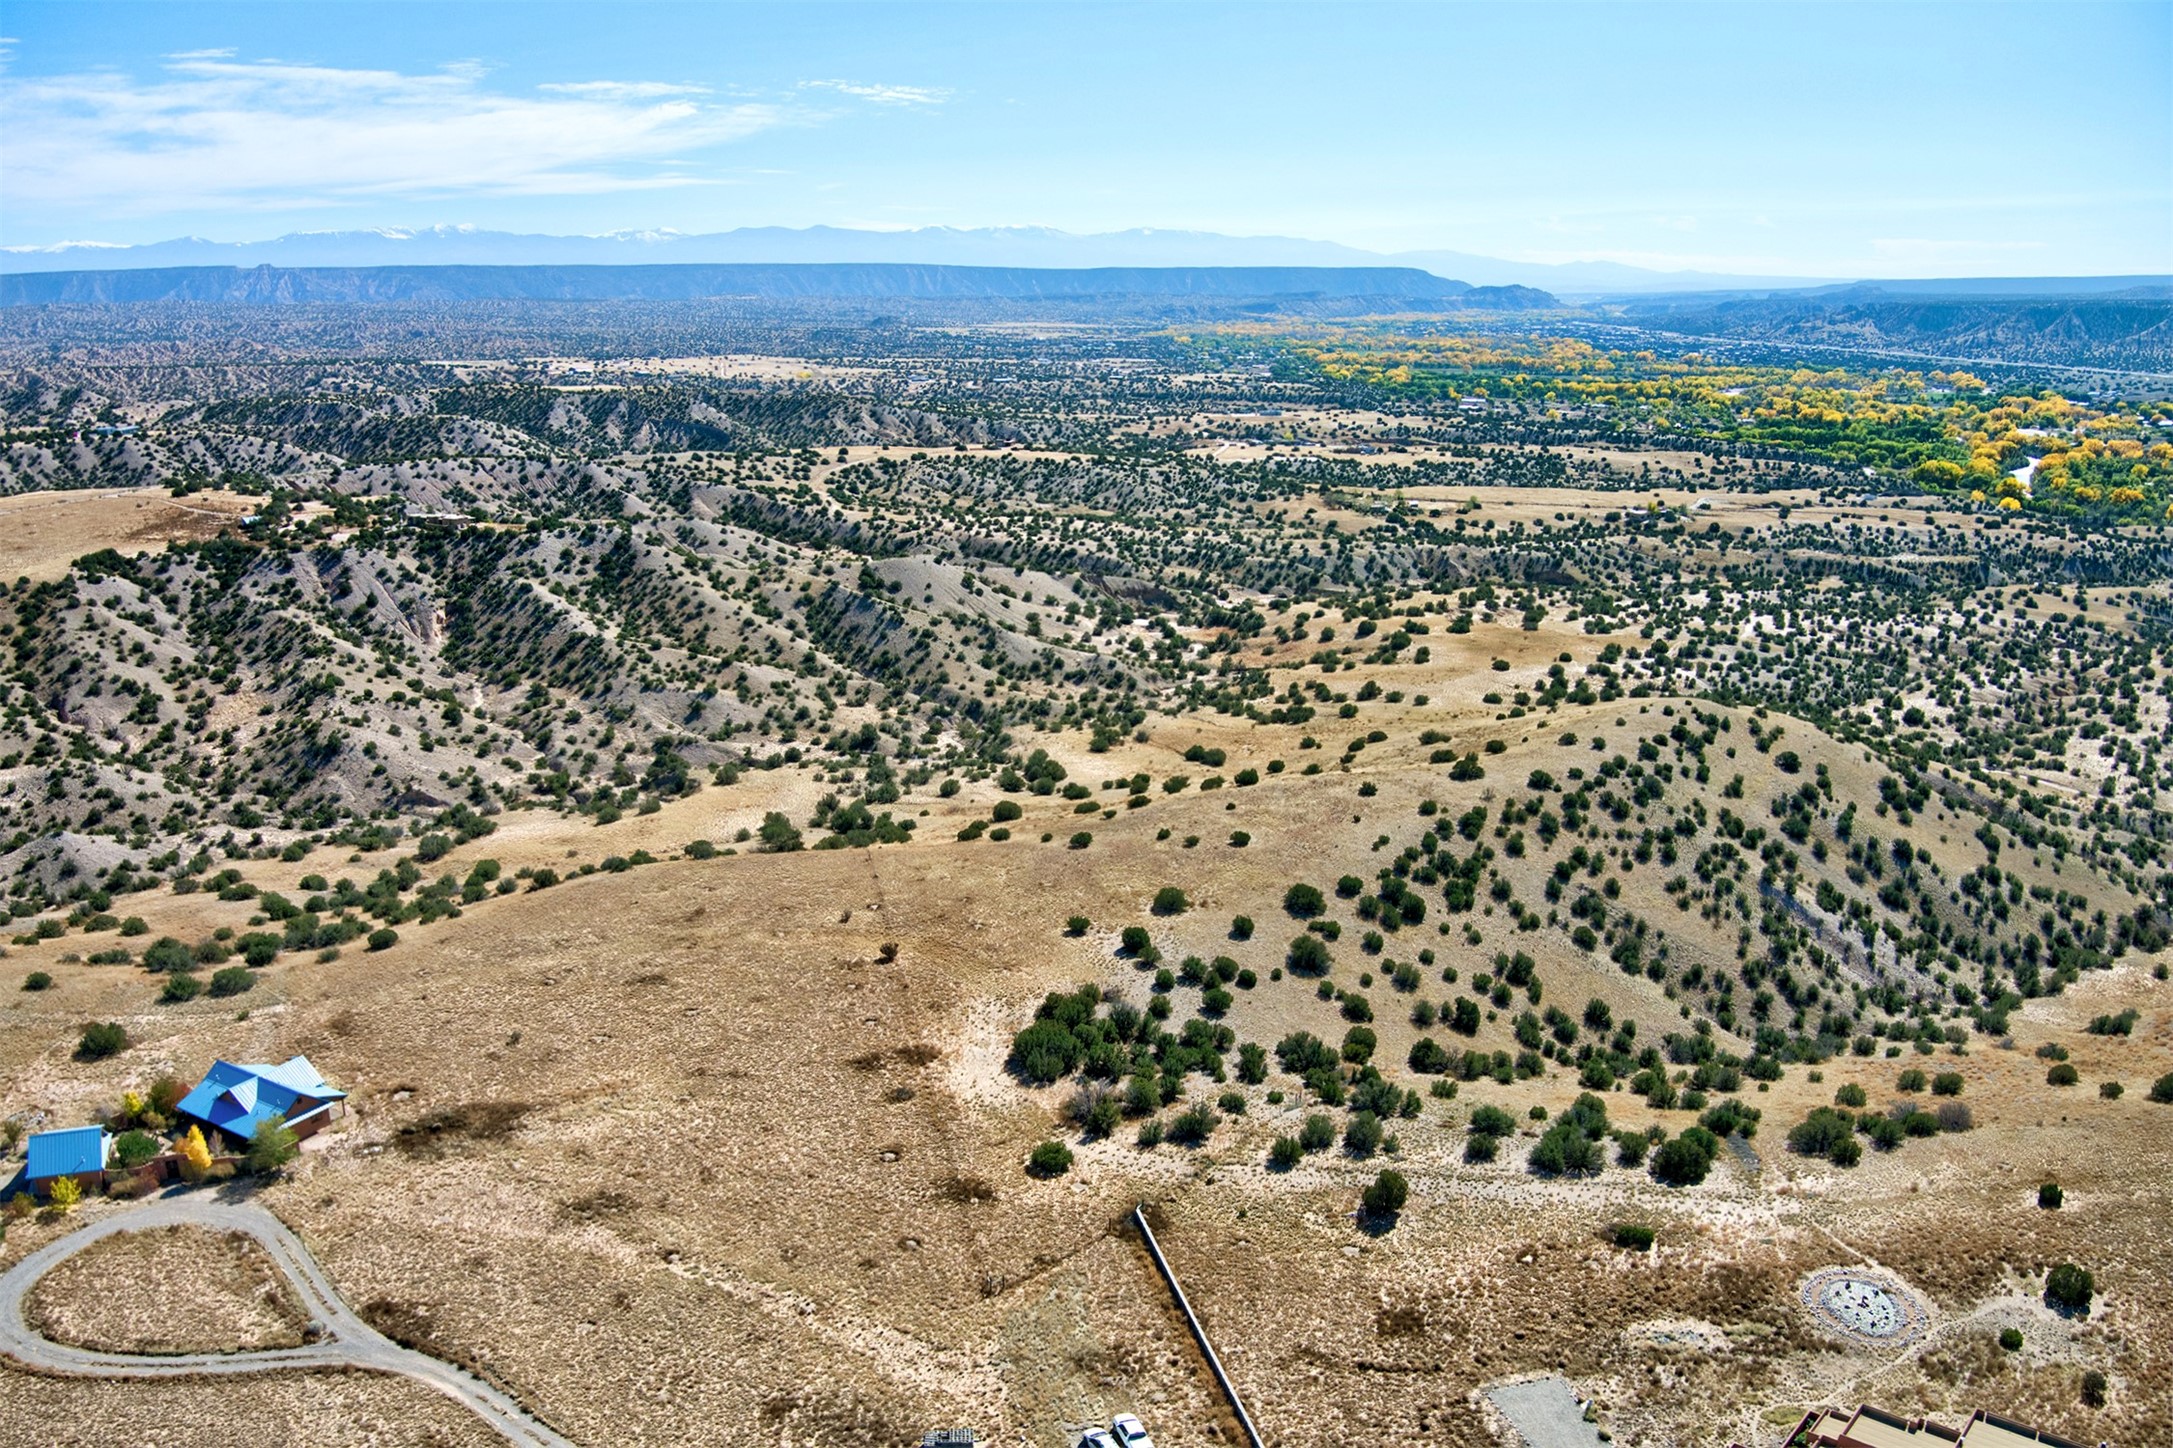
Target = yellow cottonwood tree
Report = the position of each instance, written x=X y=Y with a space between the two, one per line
x=195 y=1155
x=66 y=1193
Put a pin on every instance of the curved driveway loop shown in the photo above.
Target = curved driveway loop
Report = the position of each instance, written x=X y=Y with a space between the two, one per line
x=347 y=1342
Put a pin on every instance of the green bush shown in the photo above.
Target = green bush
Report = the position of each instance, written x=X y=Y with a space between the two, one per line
x=231 y=981
x=133 y=1148
x=1947 y=1083
x=1169 y=900
x=2062 y=1075
x=37 y=980
x=102 y=1039
x=1076 y=925
x=1885 y=1132
x=1317 y=1134
x=1850 y=1095
x=1006 y=811
x=180 y=986
x=1303 y=901
x=1632 y=1236
x=1565 y=1150
x=271 y=1146
x=1480 y=1147
x=1308 y=955
x=1241 y=927
x=2161 y=1090
x=1285 y=1153
x=2068 y=1289
x=1194 y=1124
x=2010 y=1338
x=1362 y=1138
x=2049 y=1196
x=1428 y=1058
x=1492 y=1121
x=384 y=938
x=1686 y=1160
x=1387 y=1195
x=1819 y=1132
x=167 y=953
x=1050 y=1159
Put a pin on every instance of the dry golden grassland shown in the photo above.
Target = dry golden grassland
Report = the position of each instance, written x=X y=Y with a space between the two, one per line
x=41 y=534
x=678 y=1158
x=168 y=1290
x=326 y=1409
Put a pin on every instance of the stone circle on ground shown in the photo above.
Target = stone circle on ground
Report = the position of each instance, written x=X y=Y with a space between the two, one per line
x=1864 y=1305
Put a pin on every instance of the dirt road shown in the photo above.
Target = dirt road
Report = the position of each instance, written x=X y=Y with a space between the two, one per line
x=346 y=1340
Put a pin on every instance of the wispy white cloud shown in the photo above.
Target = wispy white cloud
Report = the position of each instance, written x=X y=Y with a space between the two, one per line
x=623 y=90
x=883 y=95
x=269 y=134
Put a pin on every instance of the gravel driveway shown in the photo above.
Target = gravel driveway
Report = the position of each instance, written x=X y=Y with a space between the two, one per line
x=346 y=1340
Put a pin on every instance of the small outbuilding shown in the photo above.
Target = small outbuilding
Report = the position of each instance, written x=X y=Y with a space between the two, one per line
x=81 y=1152
x=236 y=1099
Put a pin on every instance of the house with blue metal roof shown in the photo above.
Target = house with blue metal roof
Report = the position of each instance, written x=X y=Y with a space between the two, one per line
x=80 y=1152
x=237 y=1099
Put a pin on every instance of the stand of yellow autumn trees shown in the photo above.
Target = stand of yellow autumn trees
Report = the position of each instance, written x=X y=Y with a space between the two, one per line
x=1945 y=430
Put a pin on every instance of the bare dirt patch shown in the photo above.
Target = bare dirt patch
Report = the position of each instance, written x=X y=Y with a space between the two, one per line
x=42 y=533
x=442 y=1132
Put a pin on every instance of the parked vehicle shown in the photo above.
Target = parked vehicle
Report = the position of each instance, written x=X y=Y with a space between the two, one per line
x=1129 y=1432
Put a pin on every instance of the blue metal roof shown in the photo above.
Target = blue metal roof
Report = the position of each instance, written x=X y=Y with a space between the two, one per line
x=65 y=1153
x=237 y=1099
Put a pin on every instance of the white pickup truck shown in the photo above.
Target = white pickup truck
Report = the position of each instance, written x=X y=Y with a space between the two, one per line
x=1129 y=1432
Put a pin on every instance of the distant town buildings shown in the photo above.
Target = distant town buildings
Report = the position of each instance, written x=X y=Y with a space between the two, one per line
x=1870 y=1427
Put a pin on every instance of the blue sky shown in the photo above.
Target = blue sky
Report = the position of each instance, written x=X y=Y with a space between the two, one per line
x=1943 y=140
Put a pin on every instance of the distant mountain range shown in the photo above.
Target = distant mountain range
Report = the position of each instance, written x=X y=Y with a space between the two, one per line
x=1369 y=288
x=2128 y=329
x=1003 y=246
